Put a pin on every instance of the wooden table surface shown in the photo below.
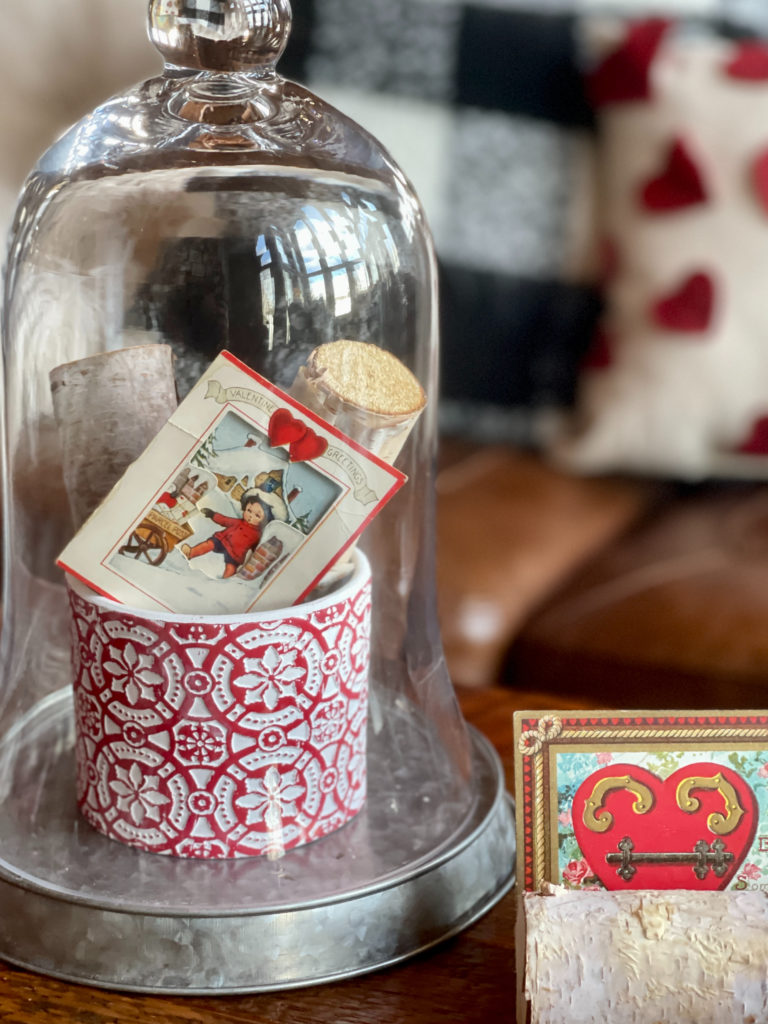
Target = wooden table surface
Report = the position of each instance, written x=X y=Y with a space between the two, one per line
x=467 y=979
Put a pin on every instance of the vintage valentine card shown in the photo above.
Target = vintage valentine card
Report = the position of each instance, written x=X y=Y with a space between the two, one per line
x=630 y=800
x=244 y=499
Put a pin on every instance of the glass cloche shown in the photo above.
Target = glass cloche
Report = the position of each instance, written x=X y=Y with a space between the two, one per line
x=184 y=782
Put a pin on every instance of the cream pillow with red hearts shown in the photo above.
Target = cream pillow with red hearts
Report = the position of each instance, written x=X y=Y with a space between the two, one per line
x=677 y=379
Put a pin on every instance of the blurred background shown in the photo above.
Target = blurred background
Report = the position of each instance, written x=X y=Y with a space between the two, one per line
x=546 y=578
x=483 y=105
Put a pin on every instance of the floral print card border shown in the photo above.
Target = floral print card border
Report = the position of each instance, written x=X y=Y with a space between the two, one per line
x=640 y=800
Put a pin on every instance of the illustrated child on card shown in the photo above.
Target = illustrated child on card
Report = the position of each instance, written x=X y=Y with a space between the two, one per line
x=238 y=537
x=226 y=514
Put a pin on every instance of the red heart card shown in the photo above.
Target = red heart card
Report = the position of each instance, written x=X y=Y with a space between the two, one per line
x=689 y=308
x=679 y=184
x=691 y=830
x=624 y=75
x=749 y=63
x=217 y=431
x=284 y=428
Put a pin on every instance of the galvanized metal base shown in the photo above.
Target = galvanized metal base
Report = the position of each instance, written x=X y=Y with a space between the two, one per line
x=415 y=867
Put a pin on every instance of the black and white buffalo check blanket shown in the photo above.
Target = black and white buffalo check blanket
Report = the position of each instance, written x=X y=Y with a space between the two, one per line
x=483 y=106
x=212 y=12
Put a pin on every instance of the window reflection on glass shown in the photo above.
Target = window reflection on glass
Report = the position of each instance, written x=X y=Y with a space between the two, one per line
x=268 y=279
x=307 y=248
x=341 y=291
x=268 y=306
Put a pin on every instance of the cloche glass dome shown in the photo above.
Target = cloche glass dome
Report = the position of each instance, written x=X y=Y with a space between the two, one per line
x=220 y=208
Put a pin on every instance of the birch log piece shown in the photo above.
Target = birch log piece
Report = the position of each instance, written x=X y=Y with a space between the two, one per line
x=368 y=394
x=647 y=957
x=108 y=407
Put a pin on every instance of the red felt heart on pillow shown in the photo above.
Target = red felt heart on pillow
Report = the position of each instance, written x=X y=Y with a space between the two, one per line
x=757 y=442
x=760 y=178
x=749 y=63
x=284 y=428
x=624 y=75
x=703 y=803
x=310 y=446
x=689 y=308
x=678 y=185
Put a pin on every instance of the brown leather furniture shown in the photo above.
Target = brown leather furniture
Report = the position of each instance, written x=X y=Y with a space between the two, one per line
x=629 y=592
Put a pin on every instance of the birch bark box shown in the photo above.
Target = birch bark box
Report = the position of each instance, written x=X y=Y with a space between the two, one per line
x=646 y=957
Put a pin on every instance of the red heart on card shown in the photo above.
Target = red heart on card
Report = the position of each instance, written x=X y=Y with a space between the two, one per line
x=284 y=428
x=624 y=75
x=703 y=807
x=310 y=446
x=757 y=442
x=678 y=185
x=689 y=308
x=760 y=178
x=749 y=63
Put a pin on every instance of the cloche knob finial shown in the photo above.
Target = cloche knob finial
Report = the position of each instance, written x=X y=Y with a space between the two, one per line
x=220 y=35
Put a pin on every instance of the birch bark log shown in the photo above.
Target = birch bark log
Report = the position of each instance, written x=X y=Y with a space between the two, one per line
x=108 y=407
x=646 y=957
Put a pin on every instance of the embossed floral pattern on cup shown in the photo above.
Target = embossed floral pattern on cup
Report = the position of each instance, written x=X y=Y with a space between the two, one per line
x=221 y=738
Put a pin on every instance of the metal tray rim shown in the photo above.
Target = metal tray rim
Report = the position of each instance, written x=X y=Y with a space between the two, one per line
x=427 y=864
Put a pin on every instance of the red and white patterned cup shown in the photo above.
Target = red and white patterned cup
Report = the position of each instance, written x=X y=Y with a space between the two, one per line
x=222 y=737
